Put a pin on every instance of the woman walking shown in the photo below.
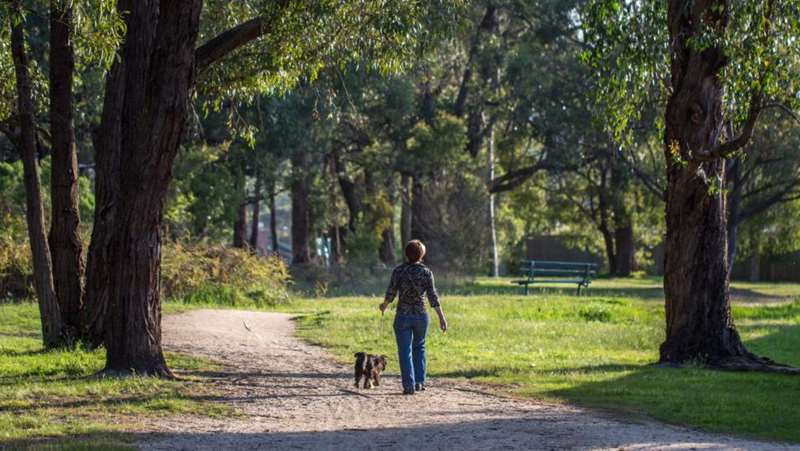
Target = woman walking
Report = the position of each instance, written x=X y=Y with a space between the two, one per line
x=410 y=282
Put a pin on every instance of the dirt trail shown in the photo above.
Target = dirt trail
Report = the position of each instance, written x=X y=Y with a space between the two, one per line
x=295 y=396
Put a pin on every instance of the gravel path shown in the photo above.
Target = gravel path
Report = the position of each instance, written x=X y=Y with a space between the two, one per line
x=295 y=396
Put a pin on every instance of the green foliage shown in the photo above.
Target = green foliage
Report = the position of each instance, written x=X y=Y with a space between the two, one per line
x=16 y=266
x=628 y=53
x=224 y=276
x=628 y=48
x=432 y=147
x=380 y=34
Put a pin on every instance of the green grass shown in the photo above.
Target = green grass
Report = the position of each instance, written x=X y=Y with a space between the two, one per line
x=52 y=394
x=648 y=287
x=593 y=351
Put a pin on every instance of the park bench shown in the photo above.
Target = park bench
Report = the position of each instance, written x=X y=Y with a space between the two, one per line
x=540 y=271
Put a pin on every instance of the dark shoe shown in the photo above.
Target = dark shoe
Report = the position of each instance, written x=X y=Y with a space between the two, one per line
x=419 y=387
x=408 y=392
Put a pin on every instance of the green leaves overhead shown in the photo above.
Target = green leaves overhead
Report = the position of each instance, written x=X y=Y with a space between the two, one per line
x=627 y=50
x=435 y=146
x=628 y=47
x=299 y=39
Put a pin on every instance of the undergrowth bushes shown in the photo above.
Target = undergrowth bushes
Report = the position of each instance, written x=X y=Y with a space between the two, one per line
x=16 y=274
x=223 y=276
x=197 y=274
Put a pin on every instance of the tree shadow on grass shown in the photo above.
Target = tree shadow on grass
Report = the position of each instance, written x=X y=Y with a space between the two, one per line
x=748 y=403
x=17 y=353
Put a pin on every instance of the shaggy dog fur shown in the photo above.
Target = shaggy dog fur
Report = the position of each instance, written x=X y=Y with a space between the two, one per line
x=369 y=366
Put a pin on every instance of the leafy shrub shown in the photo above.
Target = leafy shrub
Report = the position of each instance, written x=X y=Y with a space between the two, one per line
x=16 y=268
x=221 y=275
x=598 y=314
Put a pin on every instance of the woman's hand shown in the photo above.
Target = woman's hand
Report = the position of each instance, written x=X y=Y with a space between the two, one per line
x=442 y=320
x=383 y=306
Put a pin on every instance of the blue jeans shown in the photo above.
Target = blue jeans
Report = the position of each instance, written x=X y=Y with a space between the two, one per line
x=410 y=330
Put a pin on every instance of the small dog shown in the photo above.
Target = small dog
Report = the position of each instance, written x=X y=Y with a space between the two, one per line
x=369 y=366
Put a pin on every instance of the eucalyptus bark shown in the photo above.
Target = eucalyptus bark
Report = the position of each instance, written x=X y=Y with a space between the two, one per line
x=495 y=270
x=625 y=249
x=255 y=222
x=273 y=221
x=147 y=93
x=49 y=312
x=696 y=279
x=301 y=217
x=65 y=239
x=240 y=225
x=405 y=209
x=624 y=245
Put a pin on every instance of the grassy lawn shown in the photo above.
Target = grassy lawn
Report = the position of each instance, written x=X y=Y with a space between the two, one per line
x=593 y=351
x=51 y=394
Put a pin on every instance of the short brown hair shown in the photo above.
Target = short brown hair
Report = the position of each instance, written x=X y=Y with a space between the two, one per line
x=415 y=251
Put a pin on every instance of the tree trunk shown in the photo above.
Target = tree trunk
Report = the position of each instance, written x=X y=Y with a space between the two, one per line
x=351 y=199
x=755 y=255
x=42 y=265
x=405 y=209
x=698 y=314
x=495 y=270
x=273 y=221
x=65 y=238
x=755 y=267
x=255 y=222
x=143 y=119
x=240 y=226
x=611 y=256
x=625 y=250
x=107 y=144
x=386 y=251
x=301 y=220
x=603 y=208
x=734 y=199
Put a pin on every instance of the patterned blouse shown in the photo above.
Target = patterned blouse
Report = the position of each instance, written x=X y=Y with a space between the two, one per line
x=412 y=281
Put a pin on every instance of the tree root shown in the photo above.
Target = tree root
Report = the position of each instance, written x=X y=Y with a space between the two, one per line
x=742 y=363
x=753 y=363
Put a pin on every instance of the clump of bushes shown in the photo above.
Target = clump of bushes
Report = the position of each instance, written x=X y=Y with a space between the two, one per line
x=222 y=276
x=16 y=268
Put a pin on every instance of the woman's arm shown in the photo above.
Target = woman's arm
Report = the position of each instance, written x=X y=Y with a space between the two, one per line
x=442 y=319
x=391 y=292
x=433 y=298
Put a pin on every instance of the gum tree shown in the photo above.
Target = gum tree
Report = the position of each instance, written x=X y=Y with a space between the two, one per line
x=147 y=93
x=720 y=63
x=81 y=34
x=25 y=141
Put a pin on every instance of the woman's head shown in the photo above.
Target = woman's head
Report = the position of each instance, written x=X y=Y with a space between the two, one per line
x=415 y=251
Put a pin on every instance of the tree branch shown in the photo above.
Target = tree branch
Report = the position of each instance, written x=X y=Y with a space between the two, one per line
x=728 y=148
x=515 y=178
x=227 y=41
